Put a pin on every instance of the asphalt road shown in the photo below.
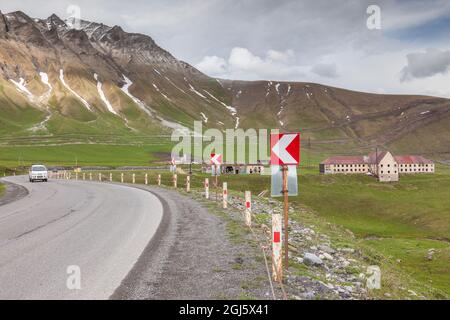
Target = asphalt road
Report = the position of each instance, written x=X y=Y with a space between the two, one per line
x=99 y=227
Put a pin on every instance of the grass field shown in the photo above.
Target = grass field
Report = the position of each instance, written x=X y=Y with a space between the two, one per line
x=83 y=154
x=394 y=224
x=400 y=221
x=2 y=190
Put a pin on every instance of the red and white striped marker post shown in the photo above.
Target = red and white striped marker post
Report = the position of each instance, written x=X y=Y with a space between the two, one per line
x=158 y=180
x=90 y=176
x=134 y=178
x=225 y=195
x=248 y=208
x=146 y=179
x=110 y=177
x=188 y=183
x=206 y=188
x=100 y=177
x=277 y=267
x=175 y=180
x=121 y=177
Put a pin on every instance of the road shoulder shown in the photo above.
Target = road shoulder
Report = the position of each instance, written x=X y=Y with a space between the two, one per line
x=193 y=256
x=13 y=192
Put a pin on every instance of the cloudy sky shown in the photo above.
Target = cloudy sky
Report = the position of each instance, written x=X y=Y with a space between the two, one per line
x=339 y=43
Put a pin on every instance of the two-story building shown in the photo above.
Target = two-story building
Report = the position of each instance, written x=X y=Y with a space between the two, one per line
x=383 y=165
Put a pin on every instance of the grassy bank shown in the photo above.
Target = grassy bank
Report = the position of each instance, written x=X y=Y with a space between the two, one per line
x=84 y=155
x=2 y=190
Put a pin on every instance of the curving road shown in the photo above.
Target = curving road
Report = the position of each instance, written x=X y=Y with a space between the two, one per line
x=100 y=228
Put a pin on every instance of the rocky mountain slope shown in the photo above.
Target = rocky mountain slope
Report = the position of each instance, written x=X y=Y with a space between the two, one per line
x=100 y=83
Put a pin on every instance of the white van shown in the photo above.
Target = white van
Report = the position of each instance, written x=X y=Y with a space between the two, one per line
x=38 y=172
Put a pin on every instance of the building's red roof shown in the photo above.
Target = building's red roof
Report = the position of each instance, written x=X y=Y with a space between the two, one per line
x=374 y=158
x=345 y=160
x=412 y=160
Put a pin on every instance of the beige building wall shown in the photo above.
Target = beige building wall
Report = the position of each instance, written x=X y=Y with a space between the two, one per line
x=416 y=168
x=388 y=170
x=349 y=168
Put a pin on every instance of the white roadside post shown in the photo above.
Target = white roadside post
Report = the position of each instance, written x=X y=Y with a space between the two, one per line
x=84 y=176
x=225 y=195
x=90 y=176
x=206 y=188
x=248 y=208
x=159 y=180
x=188 y=183
x=110 y=177
x=100 y=177
x=121 y=177
x=146 y=179
x=175 y=180
x=134 y=178
x=76 y=176
x=277 y=268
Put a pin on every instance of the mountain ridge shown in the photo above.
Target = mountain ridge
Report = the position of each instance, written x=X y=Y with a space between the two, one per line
x=103 y=80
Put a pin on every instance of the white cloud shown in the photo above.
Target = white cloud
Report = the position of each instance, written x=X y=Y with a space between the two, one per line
x=426 y=64
x=244 y=65
x=213 y=65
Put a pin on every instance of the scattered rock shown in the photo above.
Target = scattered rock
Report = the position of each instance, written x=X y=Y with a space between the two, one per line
x=312 y=260
x=327 y=256
x=327 y=249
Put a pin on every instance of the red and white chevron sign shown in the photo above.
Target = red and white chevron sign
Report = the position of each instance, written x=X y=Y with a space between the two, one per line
x=216 y=159
x=285 y=149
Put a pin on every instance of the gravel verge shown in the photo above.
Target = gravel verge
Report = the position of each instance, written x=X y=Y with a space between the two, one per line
x=196 y=254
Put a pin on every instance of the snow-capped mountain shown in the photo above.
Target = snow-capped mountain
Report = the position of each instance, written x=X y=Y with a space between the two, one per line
x=65 y=78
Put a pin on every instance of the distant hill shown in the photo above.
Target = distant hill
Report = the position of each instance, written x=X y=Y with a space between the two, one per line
x=102 y=84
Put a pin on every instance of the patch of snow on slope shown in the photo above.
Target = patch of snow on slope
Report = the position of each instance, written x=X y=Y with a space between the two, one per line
x=21 y=87
x=42 y=124
x=425 y=112
x=157 y=71
x=232 y=110
x=205 y=118
x=44 y=80
x=157 y=89
x=196 y=92
x=237 y=123
x=268 y=88
x=103 y=97
x=281 y=123
x=277 y=87
x=61 y=77
x=140 y=104
x=149 y=111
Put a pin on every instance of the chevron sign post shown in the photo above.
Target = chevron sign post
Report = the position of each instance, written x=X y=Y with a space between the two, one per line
x=216 y=162
x=285 y=149
x=284 y=152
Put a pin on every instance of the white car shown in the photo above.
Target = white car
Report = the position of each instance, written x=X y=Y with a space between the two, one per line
x=38 y=172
